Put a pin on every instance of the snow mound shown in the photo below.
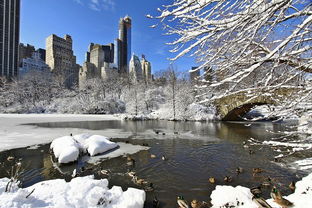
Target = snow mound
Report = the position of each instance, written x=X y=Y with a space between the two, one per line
x=97 y=144
x=66 y=149
x=232 y=197
x=228 y=196
x=79 y=193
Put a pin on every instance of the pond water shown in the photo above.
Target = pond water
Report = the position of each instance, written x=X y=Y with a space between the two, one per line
x=194 y=151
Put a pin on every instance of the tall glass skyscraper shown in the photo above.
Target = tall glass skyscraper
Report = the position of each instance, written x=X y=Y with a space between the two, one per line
x=123 y=44
x=9 y=37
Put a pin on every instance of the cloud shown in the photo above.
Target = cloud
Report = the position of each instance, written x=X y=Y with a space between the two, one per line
x=78 y=2
x=99 y=5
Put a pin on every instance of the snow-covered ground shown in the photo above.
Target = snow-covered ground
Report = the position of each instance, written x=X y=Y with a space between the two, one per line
x=228 y=196
x=80 y=192
x=87 y=192
x=15 y=134
x=193 y=112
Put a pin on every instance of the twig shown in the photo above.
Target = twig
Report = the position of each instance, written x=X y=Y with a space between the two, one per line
x=30 y=193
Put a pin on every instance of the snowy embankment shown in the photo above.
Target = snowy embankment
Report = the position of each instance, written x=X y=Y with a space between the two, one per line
x=80 y=192
x=67 y=148
x=193 y=112
x=87 y=192
x=228 y=196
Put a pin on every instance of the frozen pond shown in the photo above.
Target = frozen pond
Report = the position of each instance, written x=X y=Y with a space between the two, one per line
x=194 y=151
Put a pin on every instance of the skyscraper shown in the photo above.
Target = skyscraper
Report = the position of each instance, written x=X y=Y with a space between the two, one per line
x=9 y=37
x=135 y=66
x=25 y=51
x=98 y=64
x=60 y=58
x=146 y=69
x=123 y=44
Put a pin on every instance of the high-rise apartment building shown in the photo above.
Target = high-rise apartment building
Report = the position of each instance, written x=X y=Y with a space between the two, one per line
x=98 y=64
x=25 y=51
x=33 y=63
x=42 y=53
x=123 y=44
x=9 y=37
x=146 y=69
x=60 y=58
x=135 y=71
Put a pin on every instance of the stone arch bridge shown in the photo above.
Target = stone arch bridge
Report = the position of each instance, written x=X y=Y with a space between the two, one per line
x=234 y=106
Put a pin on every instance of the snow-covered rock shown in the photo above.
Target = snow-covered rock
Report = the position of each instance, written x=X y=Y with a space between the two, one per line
x=65 y=149
x=94 y=144
x=79 y=193
x=81 y=139
x=97 y=144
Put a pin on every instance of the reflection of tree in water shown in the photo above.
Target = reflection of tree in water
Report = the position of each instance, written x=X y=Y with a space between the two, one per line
x=239 y=132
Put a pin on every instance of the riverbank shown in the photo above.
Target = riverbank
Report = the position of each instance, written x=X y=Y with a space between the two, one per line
x=87 y=192
x=15 y=133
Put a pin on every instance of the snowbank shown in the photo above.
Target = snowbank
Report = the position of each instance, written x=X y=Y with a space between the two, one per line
x=67 y=148
x=193 y=112
x=232 y=196
x=97 y=144
x=228 y=196
x=199 y=112
x=79 y=193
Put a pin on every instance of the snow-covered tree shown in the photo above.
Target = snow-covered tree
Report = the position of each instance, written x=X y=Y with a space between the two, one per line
x=263 y=44
x=179 y=93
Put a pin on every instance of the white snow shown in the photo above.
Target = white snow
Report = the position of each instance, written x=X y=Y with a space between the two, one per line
x=123 y=149
x=65 y=149
x=14 y=134
x=81 y=192
x=305 y=123
x=232 y=196
x=305 y=164
x=97 y=144
x=288 y=144
x=241 y=197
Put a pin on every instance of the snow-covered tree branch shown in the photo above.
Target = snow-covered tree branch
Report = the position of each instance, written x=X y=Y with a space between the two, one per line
x=248 y=44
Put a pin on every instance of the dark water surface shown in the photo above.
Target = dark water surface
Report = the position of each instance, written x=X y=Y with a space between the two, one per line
x=195 y=152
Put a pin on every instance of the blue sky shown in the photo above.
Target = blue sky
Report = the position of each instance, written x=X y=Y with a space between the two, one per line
x=97 y=21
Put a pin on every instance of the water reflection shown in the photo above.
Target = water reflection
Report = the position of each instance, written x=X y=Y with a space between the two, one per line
x=195 y=152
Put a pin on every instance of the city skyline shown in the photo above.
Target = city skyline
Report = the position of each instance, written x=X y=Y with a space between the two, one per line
x=98 y=25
